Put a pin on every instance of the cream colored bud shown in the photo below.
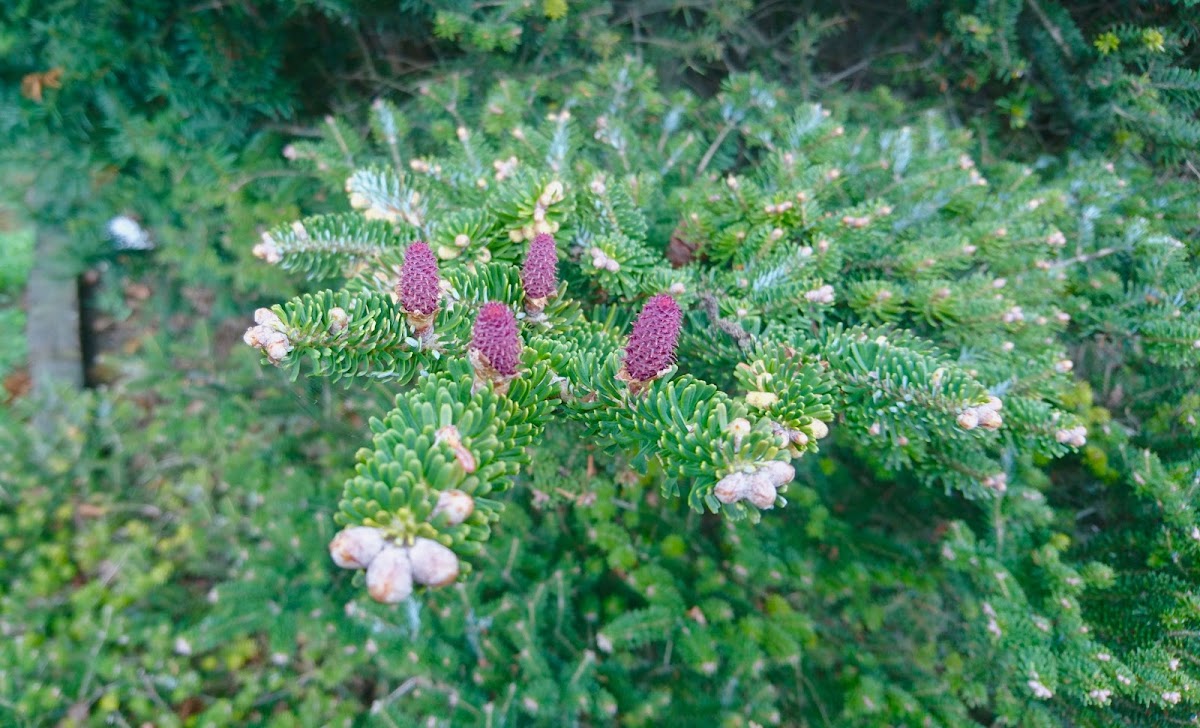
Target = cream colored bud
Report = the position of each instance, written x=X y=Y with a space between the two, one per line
x=462 y=240
x=824 y=294
x=761 y=400
x=761 y=493
x=448 y=252
x=338 y=320
x=390 y=576
x=731 y=488
x=990 y=419
x=778 y=473
x=267 y=317
x=356 y=547
x=1063 y=366
x=359 y=201
x=739 y=427
x=552 y=193
x=455 y=505
x=278 y=350
x=968 y=420
x=268 y=250
x=432 y=563
x=819 y=429
x=994 y=402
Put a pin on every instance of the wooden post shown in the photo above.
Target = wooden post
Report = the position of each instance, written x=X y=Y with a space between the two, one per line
x=52 y=316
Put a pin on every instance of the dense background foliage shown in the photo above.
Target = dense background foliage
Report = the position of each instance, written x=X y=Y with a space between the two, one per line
x=162 y=542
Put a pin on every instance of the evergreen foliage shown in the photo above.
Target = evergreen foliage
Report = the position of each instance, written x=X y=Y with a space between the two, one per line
x=942 y=404
x=874 y=285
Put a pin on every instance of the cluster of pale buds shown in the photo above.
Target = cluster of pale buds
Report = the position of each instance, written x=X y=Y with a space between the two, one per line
x=1056 y=239
x=601 y=261
x=1073 y=436
x=856 y=222
x=268 y=250
x=760 y=486
x=387 y=213
x=268 y=335
x=779 y=209
x=552 y=194
x=392 y=569
x=824 y=294
x=1013 y=315
x=505 y=168
x=985 y=415
x=423 y=167
x=1040 y=691
x=997 y=482
x=795 y=440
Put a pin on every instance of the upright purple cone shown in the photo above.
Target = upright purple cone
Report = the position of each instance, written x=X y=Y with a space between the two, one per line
x=418 y=287
x=651 y=346
x=495 y=338
x=540 y=274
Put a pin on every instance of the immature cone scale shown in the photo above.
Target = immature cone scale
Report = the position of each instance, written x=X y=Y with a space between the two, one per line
x=540 y=274
x=495 y=338
x=418 y=287
x=651 y=346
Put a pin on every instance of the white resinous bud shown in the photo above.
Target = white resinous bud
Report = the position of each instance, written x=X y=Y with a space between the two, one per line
x=390 y=576
x=761 y=493
x=456 y=505
x=432 y=563
x=731 y=488
x=356 y=547
x=338 y=320
x=989 y=419
x=762 y=400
